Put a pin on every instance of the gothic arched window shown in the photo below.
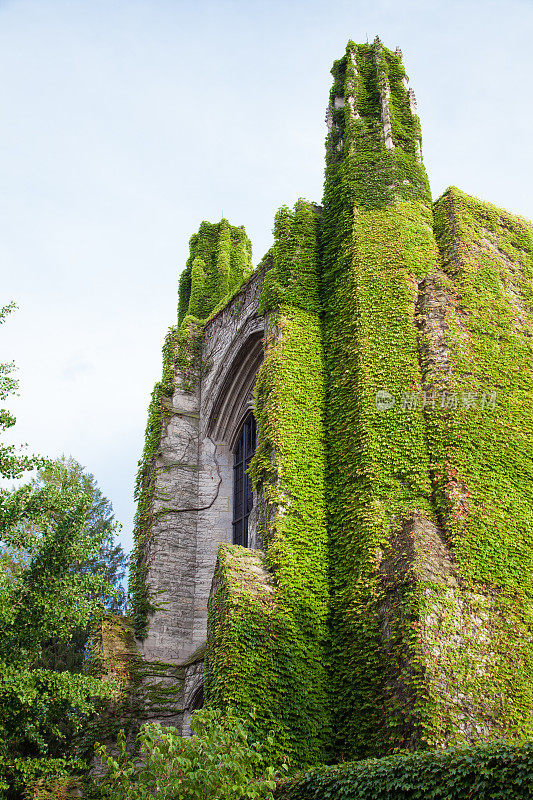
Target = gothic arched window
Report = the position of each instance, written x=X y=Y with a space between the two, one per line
x=242 y=483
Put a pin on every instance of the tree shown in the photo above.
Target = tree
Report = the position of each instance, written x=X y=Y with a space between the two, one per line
x=65 y=474
x=12 y=464
x=45 y=535
x=218 y=762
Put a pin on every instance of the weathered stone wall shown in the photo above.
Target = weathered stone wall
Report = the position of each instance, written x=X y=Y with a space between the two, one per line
x=172 y=551
x=231 y=356
x=192 y=502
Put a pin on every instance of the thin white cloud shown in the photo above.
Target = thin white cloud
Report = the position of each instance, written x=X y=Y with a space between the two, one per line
x=76 y=366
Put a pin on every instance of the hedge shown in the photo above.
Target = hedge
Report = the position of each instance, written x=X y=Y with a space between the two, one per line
x=495 y=770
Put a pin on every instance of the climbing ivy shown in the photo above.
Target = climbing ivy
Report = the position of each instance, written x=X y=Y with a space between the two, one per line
x=481 y=451
x=266 y=648
x=377 y=245
x=219 y=260
x=293 y=280
x=420 y=633
x=484 y=447
x=494 y=771
x=409 y=482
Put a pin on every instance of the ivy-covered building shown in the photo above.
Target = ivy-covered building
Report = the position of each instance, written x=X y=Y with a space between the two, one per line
x=335 y=526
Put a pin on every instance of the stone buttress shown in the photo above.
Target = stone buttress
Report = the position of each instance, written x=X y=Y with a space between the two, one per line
x=428 y=355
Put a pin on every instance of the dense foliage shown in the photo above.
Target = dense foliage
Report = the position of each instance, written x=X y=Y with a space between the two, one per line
x=377 y=244
x=493 y=771
x=66 y=473
x=219 y=762
x=12 y=463
x=280 y=636
x=220 y=259
x=48 y=593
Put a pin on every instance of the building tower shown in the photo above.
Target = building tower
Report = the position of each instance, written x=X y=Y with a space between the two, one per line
x=335 y=525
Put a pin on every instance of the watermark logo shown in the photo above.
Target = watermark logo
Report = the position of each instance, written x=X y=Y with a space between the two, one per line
x=384 y=400
x=447 y=401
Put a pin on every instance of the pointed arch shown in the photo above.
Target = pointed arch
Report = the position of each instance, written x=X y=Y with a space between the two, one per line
x=235 y=385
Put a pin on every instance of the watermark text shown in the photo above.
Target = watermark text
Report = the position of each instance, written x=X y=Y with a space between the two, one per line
x=424 y=401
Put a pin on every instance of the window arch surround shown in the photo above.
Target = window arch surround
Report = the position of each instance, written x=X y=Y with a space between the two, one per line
x=235 y=383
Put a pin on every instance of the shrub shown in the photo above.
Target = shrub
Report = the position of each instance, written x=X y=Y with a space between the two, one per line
x=495 y=771
x=218 y=762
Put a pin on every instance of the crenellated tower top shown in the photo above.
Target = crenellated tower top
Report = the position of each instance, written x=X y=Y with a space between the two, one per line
x=373 y=129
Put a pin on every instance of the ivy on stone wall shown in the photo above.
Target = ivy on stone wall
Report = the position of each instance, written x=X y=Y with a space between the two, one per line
x=267 y=652
x=481 y=445
x=409 y=669
x=422 y=510
x=294 y=278
x=484 y=439
x=219 y=261
x=377 y=245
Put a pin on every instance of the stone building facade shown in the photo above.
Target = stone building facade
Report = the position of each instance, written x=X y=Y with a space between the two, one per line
x=194 y=485
x=335 y=526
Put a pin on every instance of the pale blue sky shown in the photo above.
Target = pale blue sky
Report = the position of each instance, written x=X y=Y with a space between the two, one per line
x=126 y=123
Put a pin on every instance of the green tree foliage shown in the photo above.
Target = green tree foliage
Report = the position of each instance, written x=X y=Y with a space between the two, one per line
x=44 y=597
x=12 y=464
x=66 y=473
x=218 y=762
x=46 y=533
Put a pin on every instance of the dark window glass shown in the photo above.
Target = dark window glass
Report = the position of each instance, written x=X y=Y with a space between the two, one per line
x=198 y=699
x=242 y=484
